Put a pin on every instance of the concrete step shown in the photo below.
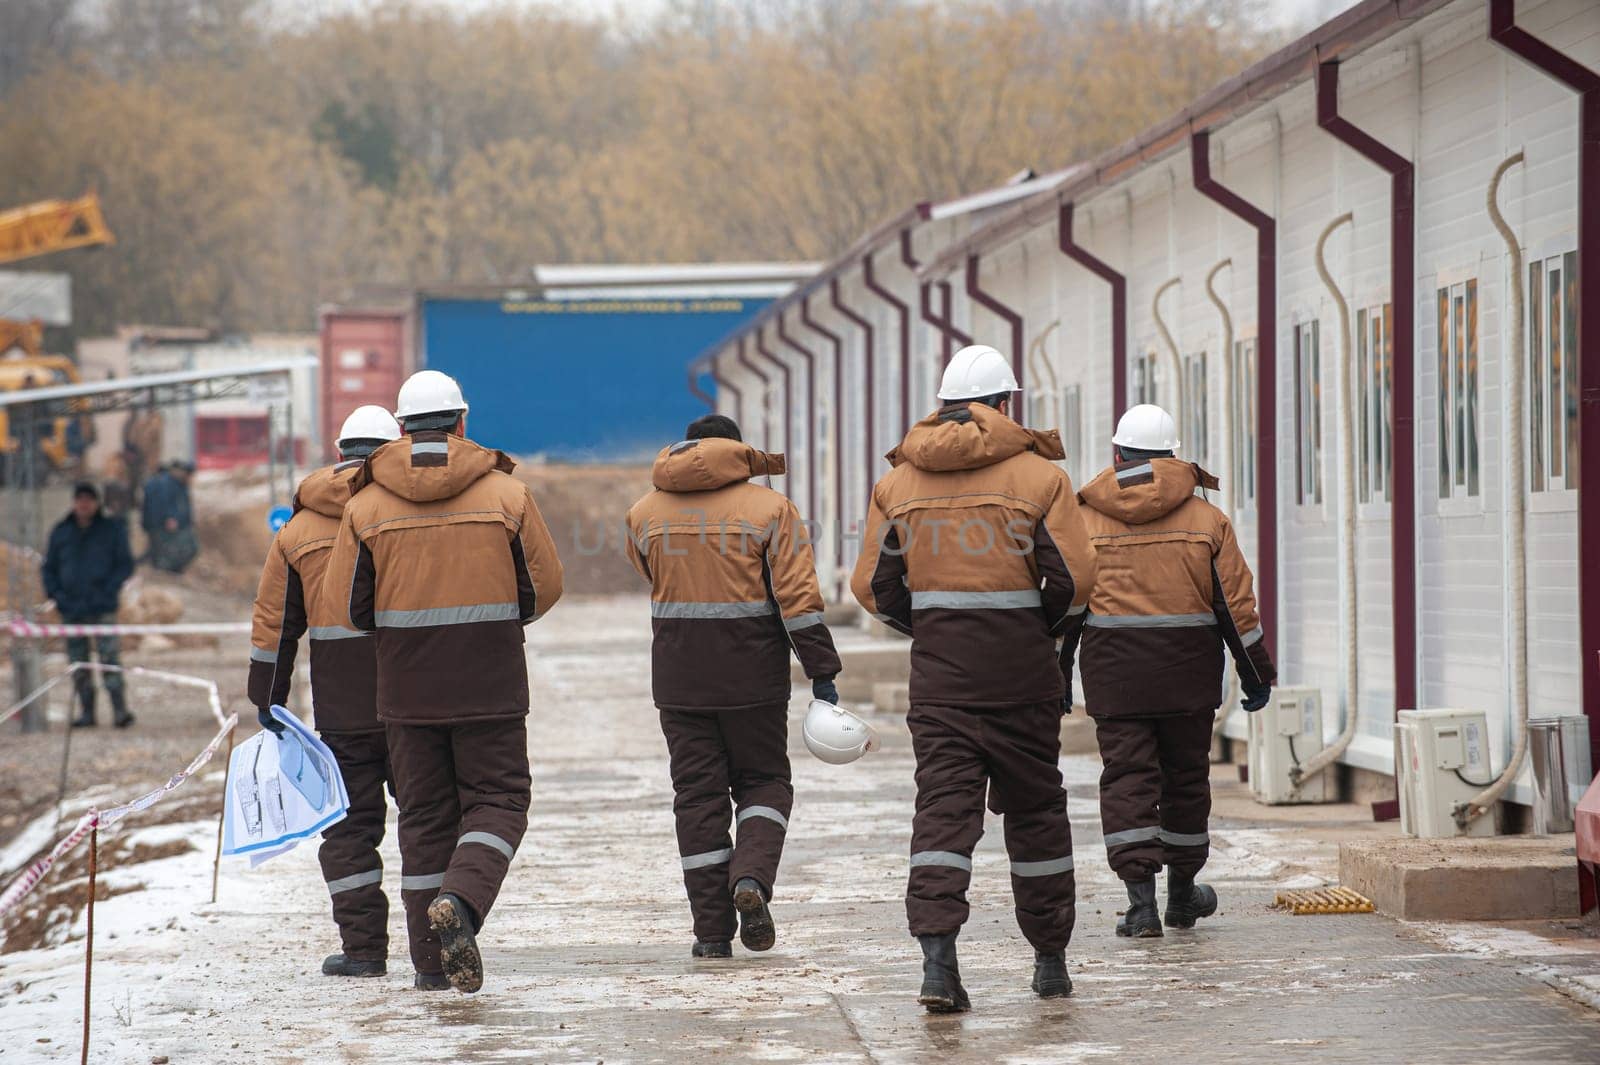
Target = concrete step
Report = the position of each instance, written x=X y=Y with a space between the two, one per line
x=1502 y=878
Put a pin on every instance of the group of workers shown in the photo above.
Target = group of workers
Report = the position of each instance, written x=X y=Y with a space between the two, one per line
x=413 y=563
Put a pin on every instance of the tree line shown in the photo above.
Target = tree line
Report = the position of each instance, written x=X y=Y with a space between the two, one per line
x=256 y=157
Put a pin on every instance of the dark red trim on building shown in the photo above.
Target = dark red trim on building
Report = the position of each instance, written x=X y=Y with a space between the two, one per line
x=869 y=353
x=1119 y=305
x=838 y=412
x=1012 y=319
x=1402 y=469
x=808 y=412
x=1505 y=32
x=766 y=384
x=1266 y=375
x=725 y=385
x=700 y=393
x=903 y=311
x=787 y=406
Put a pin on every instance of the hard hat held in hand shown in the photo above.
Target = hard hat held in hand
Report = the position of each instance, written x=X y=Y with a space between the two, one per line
x=429 y=392
x=977 y=371
x=835 y=735
x=370 y=422
x=1147 y=427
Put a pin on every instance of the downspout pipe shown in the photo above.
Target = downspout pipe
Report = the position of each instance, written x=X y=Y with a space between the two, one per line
x=1505 y=32
x=1119 y=306
x=838 y=420
x=952 y=334
x=868 y=337
x=700 y=393
x=808 y=413
x=1266 y=373
x=1012 y=319
x=902 y=311
x=1225 y=317
x=1402 y=462
x=766 y=392
x=724 y=385
x=788 y=384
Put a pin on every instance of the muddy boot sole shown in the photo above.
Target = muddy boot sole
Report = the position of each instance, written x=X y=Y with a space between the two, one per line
x=756 y=930
x=1144 y=928
x=942 y=1000
x=458 y=947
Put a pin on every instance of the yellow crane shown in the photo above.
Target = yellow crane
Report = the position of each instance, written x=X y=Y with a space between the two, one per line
x=26 y=233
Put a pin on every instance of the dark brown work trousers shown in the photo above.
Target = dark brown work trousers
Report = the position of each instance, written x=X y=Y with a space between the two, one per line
x=728 y=767
x=463 y=793
x=1155 y=792
x=1013 y=756
x=349 y=852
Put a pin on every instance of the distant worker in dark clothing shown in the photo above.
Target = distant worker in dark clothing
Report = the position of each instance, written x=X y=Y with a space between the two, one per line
x=168 y=518
x=84 y=569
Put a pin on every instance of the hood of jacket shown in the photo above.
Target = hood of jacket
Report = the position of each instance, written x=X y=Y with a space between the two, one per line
x=1146 y=489
x=327 y=490
x=970 y=436
x=432 y=465
x=703 y=465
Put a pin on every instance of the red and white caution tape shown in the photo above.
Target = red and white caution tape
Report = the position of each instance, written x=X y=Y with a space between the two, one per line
x=213 y=697
x=38 y=630
x=30 y=877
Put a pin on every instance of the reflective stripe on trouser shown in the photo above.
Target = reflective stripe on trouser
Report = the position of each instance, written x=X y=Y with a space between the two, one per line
x=1011 y=755
x=722 y=761
x=349 y=852
x=463 y=792
x=1155 y=792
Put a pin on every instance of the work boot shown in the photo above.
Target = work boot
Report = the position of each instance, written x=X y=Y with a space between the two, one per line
x=1188 y=901
x=712 y=948
x=1050 y=979
x=756 y=930
x=119 y=709
x=343 y=965
x=85 y=718
x=430 y=982
x=941 y=976
x=1141 y=919
x=458 y=944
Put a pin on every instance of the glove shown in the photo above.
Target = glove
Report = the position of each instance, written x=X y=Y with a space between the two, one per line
x=1255 y=698
x=270 y=723
x=823 y=688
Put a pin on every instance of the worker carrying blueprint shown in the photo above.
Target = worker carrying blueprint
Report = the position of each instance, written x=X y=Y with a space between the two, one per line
x=282 y=788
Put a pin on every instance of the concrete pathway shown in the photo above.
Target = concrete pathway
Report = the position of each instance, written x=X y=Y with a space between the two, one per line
x=588 y=953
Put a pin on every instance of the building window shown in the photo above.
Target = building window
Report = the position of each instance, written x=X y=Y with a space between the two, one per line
x=1195 y=428
x=1308 y=412
x=1375 y=382
x=1144 y=379
x=1458 y=390
x=1243 y=421
x=1553 y=373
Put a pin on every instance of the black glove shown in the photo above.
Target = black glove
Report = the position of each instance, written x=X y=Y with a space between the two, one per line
x=1255 y=698
x=823 y=688
x=270 y=723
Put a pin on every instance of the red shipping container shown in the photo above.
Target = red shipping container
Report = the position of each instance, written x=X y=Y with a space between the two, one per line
x=365 y=358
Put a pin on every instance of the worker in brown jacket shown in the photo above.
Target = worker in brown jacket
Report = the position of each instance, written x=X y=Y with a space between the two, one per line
x=975 y=549
x=444 y=556
x=289 y=605
x=1174 y=591
x=733 y=591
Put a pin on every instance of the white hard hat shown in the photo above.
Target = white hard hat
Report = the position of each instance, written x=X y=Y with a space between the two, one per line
x=977 y=371
x=1147 y=427
x=429 y=392
x=835 y=735
x=370 y=422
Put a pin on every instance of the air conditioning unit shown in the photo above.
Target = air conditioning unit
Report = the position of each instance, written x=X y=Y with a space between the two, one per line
x=1284 y=734
x=1441 y=757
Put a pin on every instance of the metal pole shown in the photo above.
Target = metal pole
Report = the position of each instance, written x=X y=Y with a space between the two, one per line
x=25 y=653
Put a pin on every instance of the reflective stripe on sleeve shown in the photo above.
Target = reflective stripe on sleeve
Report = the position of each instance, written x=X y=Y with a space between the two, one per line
x=1131 y=835
x=334 y=632
x=804 y=621
x=700 y=861
x=704 y=611
x=422 y=882
x=1074 y=611
x=258 y=655
x=1013 y=600
x=1150 y=621
x=356 y=880
x=1253 y=636
x=1185 y=839
x=763 y=811
x=1046 y=868
x=946 y=858
x=488 y=839
x=447 y=615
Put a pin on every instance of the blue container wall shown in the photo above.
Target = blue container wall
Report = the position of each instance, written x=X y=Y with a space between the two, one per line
x=581 y=380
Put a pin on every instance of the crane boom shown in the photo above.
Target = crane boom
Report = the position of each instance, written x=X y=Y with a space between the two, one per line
x=50 y=226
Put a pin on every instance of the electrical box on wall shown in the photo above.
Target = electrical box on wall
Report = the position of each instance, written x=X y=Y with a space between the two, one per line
x=1441 y=758
x=1284 y=734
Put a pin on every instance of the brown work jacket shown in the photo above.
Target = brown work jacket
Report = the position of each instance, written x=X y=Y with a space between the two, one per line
x=443 y=554
x=733 y=583
x=975 y=549
x=1173 y=590
x=290 y=604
